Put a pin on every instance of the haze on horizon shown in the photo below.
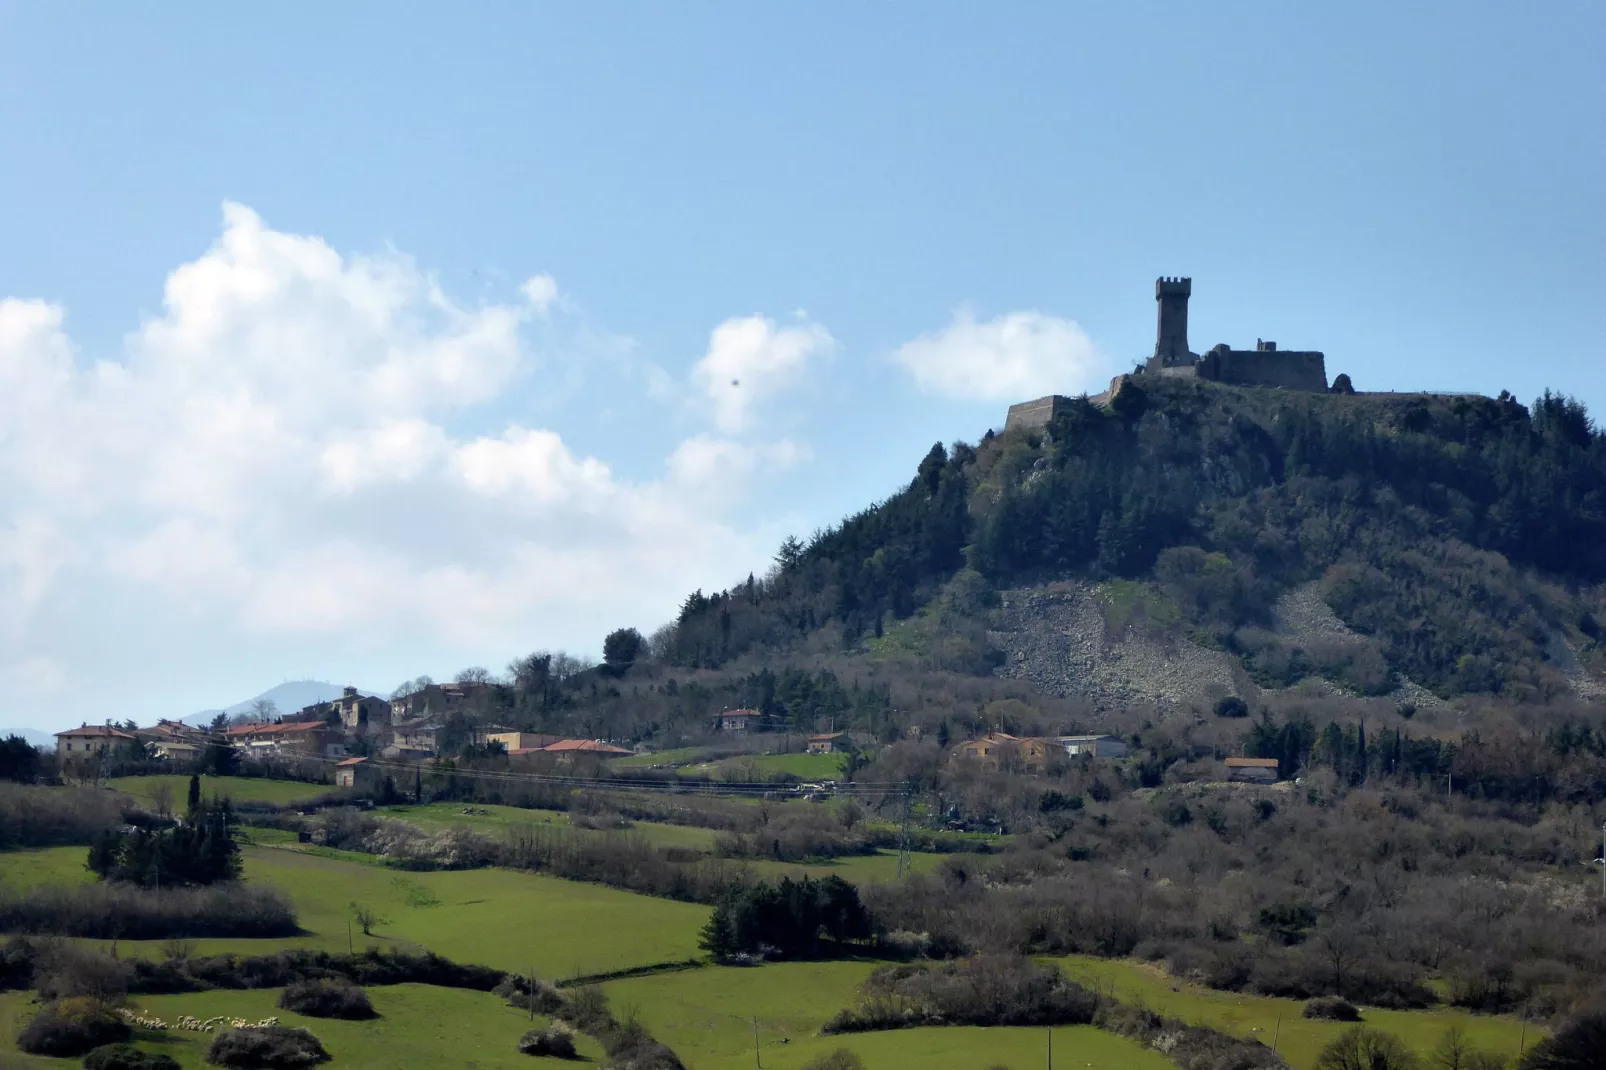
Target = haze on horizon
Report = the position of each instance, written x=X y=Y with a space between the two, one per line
x=416 y=343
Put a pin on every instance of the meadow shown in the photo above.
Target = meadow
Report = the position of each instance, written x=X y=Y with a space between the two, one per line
x=1299 y=1040
x=431 y=816
x=709 y=1016
x=495 y=917
x=419 y=1026
x=236 y=789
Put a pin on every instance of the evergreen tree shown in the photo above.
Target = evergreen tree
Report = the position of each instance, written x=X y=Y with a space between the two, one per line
x=194 y=800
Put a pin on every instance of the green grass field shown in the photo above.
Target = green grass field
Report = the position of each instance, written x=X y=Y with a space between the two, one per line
x=496 y=917
x=238 y=789
x=678 y=756
x=860 y=869
x=420 y=1028
x=1299 y=1040
x=707 y=1016
x=449 y=815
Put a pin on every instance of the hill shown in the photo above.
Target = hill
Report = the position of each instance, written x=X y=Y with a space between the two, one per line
x=1390 y=544
x=287 y=697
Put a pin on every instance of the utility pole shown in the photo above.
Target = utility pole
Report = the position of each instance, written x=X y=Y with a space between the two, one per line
x=1050 y=1048
x=757 y=1062
x=1603 y=858
x=903 y=841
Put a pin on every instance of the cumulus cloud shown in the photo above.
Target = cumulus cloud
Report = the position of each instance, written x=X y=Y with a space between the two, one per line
x=291 y=447
x=1014 y=356
x=750 y=359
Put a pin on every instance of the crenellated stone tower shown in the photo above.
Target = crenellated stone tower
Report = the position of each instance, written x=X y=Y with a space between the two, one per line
x=1171 y=336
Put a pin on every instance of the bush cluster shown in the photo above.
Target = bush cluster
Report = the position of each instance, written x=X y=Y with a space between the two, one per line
x=985 y=990
x=128 y=912
x=1332 y=1009
x=792 y=919
x=327 y=998
x=555 y=1041
x=72 y=1027
x=202 y=851
x=272 y=1047
x=50 y=817
x=128 y=1057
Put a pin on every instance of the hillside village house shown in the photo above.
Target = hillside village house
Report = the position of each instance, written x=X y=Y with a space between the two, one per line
x=310 y=738
x=165 y=729
x=91 y=739
x=522 y=741
x=346 y=772
x=420 y=735
x=826 y=743
x=172 y=750
x=359 y=712
x=998 y=748
x=738 y=720
x=437 y=700
x=1096 y=746
x=1252 y=770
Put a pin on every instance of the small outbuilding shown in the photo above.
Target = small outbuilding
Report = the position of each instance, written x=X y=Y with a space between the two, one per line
x=827 y=743
x=346 y=772
x=1252 y=770
x=1096 y=746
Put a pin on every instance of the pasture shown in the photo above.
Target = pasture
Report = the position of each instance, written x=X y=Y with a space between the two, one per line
x=1299 y=1040
x=235 y=788
x=420 y=1028
x=860 y=869
x=495 y=917
x=708 y=1017
x=432 y=816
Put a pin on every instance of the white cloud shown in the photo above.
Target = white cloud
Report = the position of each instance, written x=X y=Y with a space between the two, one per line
x=295 y=447
x=1016 y=356
x=750 y=359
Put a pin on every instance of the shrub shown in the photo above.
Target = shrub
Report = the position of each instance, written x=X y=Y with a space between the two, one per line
x=327 y=998
x=1333 y=1009
x=986 y=990
x=1575 y=1046
x=1366 y=1049
x=841 y=1059
x=128 y=912
x=47 y=817
x=62 y=971
x=285 y=968
x=128 y=1057
x=555 y=1041
x=73 y=1027
x=271 y=1047
x=1232 y=706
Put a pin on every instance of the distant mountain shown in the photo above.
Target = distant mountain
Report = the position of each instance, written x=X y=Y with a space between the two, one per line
x=38 y=739
x=287 y=697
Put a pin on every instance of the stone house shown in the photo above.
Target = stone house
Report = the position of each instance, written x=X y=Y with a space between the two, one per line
x=738 y=720
x=346 y=772
x=827 y=743
x=91 y=739
x=997 y=749
x=361 y=713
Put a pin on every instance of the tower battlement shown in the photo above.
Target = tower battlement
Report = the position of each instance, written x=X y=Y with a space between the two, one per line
x=1178 y=286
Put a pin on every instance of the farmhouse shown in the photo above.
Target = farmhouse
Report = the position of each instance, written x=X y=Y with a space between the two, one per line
x=420 y=734
x=826 y=743
x=738 y=720
x=359 y=712
x=91 y=739
x=999 y=748
x=1252 y=770
x=1096 y=746
x=293 y=737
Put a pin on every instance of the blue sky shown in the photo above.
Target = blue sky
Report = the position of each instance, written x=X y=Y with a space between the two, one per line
x=336 y=430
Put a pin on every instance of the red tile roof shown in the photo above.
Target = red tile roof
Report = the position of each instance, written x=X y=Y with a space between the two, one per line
x=588 y=746
x=351 y=761
x=95 y=731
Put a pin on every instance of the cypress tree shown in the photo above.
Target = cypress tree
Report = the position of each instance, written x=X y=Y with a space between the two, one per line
x=195 y=793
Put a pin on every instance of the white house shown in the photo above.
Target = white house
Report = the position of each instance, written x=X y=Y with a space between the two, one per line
x=1097 y=746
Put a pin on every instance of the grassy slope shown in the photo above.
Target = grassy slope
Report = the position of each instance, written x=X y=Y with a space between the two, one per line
x=239 y=789
x=861 y=869
x=500 y=918
x=447 y=815
x=420 y=1028
x=707 y=1017
x=1299 y=1040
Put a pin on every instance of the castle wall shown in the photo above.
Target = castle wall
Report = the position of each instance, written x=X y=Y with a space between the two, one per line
x=1035 y=415
x=1291 y=370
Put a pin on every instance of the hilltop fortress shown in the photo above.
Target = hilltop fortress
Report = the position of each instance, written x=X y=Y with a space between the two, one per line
x=1264 y=366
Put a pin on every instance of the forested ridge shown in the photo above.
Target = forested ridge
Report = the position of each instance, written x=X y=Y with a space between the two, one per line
x=1465 y=535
